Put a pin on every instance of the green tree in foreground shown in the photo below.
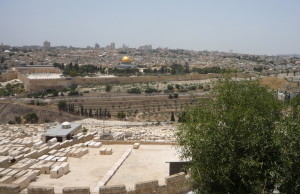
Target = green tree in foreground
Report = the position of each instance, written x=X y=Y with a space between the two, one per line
x=235 y=143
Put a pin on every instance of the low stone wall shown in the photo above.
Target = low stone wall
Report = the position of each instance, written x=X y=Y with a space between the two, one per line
x=76 y=190
x=146 y=187
x=9 y=188
x=177 y=183
x=108 y=142
x=120 y=189
x=40 y=190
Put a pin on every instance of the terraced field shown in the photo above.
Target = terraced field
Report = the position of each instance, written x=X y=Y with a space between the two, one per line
x=135 y=107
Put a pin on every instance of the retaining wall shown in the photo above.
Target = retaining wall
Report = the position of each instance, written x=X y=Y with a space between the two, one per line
x=177 y=183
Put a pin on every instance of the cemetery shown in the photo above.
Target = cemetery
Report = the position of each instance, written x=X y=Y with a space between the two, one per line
x=86 y=162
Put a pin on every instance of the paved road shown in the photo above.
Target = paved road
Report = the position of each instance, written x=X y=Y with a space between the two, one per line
x=54 y=99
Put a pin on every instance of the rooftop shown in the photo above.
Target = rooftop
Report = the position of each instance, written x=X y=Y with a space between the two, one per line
x=60 y=131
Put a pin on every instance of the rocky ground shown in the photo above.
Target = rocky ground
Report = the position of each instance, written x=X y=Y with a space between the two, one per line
x=111 y=129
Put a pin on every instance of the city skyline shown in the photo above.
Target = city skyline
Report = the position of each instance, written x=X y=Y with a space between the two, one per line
x=268 y=27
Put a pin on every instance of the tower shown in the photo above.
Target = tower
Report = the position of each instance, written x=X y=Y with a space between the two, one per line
x=46 y=46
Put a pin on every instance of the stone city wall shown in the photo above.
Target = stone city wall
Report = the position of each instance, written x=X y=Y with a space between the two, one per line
x=30 y=70
x=25 y=81
x=142 y=79
x=9 y=75
x=37 y=85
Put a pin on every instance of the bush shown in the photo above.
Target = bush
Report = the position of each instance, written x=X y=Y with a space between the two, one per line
x=84 y=130
x=62 y=105
x=134 y=91
x=121 y=115
x=11 y=122
x=192 y=87
x=170 y=96
x=73 y=93
x=18 y=119
x=31 y=118
x=108 y=88
x=150 y=90
x=170 y=87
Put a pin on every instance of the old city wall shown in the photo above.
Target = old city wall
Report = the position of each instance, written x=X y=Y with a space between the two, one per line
x=177 y=183
x=9 y=75
x=30 y=70
x=142 y=79
x=24 y=80
x=37 y=85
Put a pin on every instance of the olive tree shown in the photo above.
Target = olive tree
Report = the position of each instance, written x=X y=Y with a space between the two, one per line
x=231 y=140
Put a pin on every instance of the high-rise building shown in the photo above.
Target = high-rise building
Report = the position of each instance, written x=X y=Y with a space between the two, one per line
x=46 y=46
x=113 y=46
x=146 y=47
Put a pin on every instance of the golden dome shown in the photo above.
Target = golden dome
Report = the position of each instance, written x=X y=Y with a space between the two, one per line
x=126 y=59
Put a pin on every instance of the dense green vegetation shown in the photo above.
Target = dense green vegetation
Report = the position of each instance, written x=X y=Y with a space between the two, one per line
x=71 y=91
x=123 y=72
x=134 y=91
x=150 y=90
x=121 y=115
x=31 y=118
x=76 y=70
x=12 y=89
x=108 y=87
x=243 y=141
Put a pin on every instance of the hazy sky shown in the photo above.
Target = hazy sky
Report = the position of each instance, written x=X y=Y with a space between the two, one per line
x=245 y=26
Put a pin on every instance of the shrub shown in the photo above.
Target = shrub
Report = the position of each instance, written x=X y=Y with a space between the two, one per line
x=18 y=119
x=84 y=130
x=11 y=122
x=170 y=87
x=134 y=91
x=108 y=88
x=62 y=105
x=150 y=90
x=73 y=93
x=121 y=115
x=31 y=118
x=192 y=87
